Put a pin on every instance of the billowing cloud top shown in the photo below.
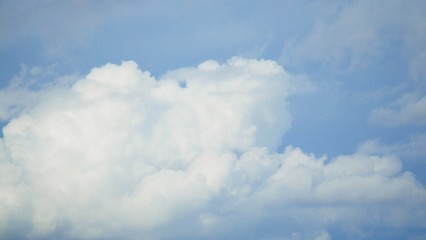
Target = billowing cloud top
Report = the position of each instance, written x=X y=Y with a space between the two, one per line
x=191 y=155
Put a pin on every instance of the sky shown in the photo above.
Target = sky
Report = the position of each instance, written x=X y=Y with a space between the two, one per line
x=290 y=120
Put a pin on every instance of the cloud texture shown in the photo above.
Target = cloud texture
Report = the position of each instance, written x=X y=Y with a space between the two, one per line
x=349 y=35
x=190 y=155
x=407 y=110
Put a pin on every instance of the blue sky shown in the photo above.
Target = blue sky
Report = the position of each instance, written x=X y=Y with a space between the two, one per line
x=310 y=113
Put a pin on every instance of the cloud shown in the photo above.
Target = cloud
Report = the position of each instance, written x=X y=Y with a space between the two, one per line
x=26 y=88
x=407 y=110
x=121 y=154
x=353 y=34
x=411 y=148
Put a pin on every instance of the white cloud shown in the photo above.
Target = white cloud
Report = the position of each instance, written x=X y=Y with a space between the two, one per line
x=410 y=109
x=122 y=154
x=23 y=90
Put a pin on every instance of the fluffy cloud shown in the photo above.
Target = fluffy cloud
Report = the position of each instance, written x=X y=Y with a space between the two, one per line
x=190 y=155
x=26 y=89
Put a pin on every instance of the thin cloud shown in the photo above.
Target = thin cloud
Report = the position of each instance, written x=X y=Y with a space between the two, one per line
x=352 y=35
x=407 y=110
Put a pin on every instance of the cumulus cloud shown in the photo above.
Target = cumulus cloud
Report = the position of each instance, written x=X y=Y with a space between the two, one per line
x=27 y=88
x=192 y=154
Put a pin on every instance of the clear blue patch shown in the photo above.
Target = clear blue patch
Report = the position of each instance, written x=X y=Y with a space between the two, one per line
x=183 y=84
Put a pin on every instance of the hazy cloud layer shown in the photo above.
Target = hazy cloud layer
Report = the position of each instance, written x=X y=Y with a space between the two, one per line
x=192 y=154
x=56 y=25
x=353 y=34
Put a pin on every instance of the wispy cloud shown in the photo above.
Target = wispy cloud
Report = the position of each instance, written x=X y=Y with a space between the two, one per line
x=410 y=109
x=352 y=35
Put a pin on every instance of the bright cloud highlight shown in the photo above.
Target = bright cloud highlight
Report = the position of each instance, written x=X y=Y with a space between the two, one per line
x=192 y=154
